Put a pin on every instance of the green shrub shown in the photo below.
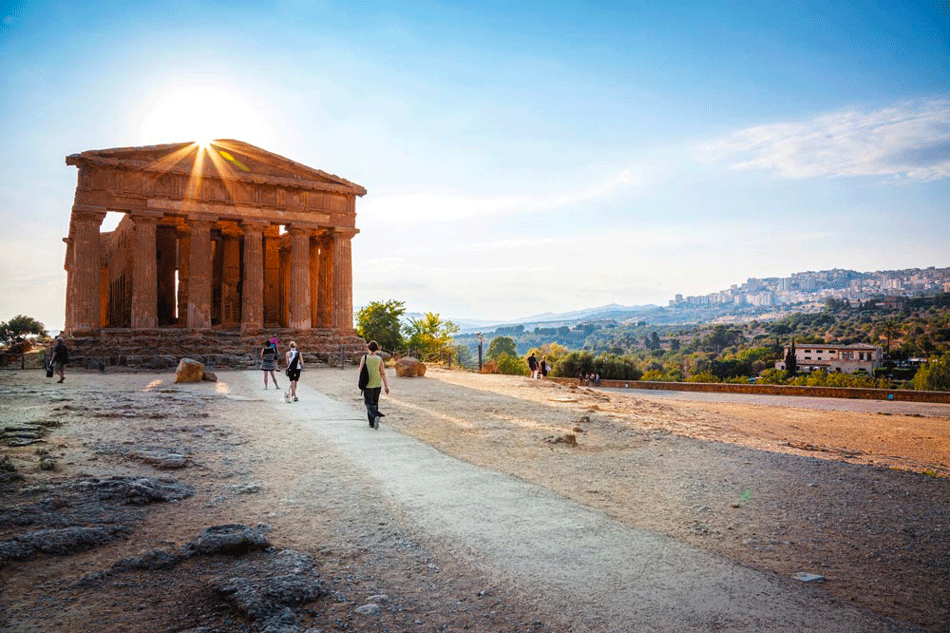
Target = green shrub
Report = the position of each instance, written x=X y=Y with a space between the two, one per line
x=608 y=366
x=773 y=377
x=512 y=365
x=703 y=376
x=934 y=375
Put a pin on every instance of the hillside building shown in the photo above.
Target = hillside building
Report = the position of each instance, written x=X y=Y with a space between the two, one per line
x=844 y=359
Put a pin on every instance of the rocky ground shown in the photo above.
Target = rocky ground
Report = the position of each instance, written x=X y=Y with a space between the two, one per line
x=130 y=503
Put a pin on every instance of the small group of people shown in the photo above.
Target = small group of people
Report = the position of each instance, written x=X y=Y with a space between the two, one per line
x=539 y=368
x=293 y=359
x=590 y=378
x=372 y=361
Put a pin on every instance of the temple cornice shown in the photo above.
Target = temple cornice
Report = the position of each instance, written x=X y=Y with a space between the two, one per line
x=147 y=166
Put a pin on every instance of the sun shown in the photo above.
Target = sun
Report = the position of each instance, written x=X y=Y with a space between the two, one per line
x=202 y=114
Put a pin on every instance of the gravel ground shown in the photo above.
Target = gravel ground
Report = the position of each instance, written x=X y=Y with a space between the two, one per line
x=758 y=492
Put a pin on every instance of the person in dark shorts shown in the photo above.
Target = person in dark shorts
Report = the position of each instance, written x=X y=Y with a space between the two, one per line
x=294 y=367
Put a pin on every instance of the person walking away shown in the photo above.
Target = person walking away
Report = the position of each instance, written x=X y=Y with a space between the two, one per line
x=294 y=367
x=269 y=362
x=377 y=382
x=543 y=368
x=533 y=365
x=60 y=358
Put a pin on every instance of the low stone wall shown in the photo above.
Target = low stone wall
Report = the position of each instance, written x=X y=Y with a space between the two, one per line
x=163 y=348
x=779 y=390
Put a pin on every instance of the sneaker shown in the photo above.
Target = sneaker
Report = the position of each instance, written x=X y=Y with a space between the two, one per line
x=286 y=396
x=295 y=398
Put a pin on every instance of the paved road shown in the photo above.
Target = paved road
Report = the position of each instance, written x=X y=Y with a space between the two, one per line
x=591 y=572
x=800 y=402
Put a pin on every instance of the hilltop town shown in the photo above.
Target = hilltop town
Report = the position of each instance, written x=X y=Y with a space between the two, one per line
x=817 y=287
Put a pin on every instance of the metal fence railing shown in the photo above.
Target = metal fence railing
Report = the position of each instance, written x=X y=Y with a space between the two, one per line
x=18 y=360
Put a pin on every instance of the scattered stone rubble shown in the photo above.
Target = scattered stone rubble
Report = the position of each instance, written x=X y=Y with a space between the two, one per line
x=25 y=433
x=268 y=589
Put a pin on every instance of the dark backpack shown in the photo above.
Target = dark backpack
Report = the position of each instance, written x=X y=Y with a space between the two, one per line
x=364 y=376
x=294 y=361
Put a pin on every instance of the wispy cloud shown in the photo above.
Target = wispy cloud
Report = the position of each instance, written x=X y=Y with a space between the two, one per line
x=908 y=141
x=447 y=207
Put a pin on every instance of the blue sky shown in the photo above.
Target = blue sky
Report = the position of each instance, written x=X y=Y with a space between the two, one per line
x=519 y=157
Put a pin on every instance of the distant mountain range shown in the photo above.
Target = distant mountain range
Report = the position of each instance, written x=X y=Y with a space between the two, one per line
x=611 y=311
x=768 y=299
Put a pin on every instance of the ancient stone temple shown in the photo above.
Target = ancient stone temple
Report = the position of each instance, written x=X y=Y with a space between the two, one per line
x=222 y=238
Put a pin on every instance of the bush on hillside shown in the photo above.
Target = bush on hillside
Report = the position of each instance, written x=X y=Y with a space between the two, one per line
x=934 y=375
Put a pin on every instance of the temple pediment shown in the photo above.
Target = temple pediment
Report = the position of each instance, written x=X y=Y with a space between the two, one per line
x=224 y=159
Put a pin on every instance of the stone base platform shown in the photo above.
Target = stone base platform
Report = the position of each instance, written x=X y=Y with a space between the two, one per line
x=162 y=348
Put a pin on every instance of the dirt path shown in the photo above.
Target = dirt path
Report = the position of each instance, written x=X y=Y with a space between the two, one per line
x=596 y=573
x=490 y=522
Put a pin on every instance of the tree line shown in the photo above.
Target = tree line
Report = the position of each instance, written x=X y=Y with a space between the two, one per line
x=722 y=352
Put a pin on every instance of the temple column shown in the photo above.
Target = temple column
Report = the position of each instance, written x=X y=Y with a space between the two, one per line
x=167 y=262
x=273 y=302
x=343 y=280
x=144 y=271
x=252 y=292
x=183 y=232
x=85 y=269
x=231 y=276
x=325 y=289
x=299 y=317
x=70 y=286
x=284 y=258
x=199 y=278
x=103 y=294
x=314 y=281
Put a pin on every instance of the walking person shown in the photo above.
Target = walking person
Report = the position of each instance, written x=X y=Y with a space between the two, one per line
x=59 y=358
x=542 y=368
x=376 y=369
x=268 y=357
x=294 y=367
x=533 y=365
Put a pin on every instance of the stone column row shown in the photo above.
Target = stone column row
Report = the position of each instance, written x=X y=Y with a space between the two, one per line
x=318 y=274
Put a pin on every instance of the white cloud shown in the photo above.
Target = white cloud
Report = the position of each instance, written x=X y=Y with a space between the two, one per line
x=407 y=208
x=908 y=141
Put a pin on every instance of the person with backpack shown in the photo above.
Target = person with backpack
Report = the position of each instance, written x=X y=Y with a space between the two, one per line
x=59 y=358
x=269 y=362
x=294 y=367
x=376 y=381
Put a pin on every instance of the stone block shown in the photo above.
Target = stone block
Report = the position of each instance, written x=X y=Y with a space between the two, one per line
x=189 y=371
x=410 y=367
